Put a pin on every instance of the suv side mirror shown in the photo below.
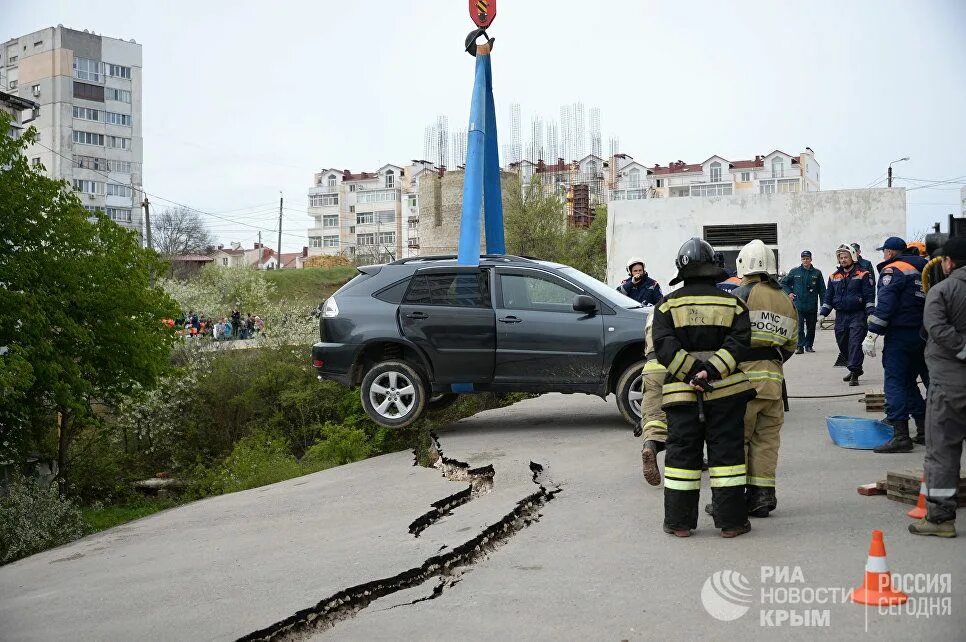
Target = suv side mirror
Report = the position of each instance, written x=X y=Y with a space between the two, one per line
x=584 y=303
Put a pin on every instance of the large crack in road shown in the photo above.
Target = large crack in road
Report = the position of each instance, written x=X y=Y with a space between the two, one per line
x=449 y=566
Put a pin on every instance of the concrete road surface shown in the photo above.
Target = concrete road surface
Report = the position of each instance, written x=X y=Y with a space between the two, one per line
x=587 y=562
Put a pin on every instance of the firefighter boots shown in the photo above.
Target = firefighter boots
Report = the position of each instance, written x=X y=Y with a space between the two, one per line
x=900 y=442
x=925 y=527
x=761 y=501
x=728 y=533
x=920 y=437
x=652 y=474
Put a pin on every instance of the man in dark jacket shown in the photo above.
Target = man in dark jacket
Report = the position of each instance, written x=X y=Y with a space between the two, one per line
x=851 y=295
x=700 y=335
x=898 y=316
x=945 y=321
x=863 y=262
x=638 y=285
x=806 y=286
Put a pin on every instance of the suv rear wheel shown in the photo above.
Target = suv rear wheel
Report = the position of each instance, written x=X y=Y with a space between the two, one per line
x=393 y=394
x=630 y=393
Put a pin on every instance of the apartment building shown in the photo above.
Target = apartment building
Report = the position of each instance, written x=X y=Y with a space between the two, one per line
x=774 y=173
x=21 y=111
x=88 y=88
x=368 y=217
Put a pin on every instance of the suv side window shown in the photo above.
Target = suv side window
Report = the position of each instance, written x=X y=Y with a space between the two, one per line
x=535 y=291
x=394 y=293
x=465 y=290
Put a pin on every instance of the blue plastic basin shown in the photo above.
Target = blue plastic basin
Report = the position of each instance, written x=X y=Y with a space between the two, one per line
x=858 y=432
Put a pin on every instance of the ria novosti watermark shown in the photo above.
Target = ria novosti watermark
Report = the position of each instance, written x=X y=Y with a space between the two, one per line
x=785 y=599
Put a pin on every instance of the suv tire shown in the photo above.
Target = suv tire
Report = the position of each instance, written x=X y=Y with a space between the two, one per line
x=393 y=394
x=630 y=393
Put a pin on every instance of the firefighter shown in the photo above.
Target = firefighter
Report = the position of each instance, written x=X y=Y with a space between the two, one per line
x=774 y=338
x=638 y=285
x=945 y=321
x=653 y=420
x=898 y=317
x=700 y=334
x=851 y=295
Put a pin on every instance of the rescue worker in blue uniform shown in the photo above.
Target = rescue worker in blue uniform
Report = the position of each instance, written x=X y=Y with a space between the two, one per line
x=850 y=293
x=898 y=317
x=863 y=262
x=638 y=285
x=732 y=282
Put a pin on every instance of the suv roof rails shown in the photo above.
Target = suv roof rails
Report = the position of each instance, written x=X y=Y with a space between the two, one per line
x=450 y=257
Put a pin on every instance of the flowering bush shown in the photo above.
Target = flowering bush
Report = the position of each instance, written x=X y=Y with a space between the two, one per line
x=33 y=517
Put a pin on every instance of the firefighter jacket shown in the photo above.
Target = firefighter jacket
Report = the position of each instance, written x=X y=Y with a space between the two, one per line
x=774 y=334
x=647 y=292
x=945 y=321
x=808 y=286
x=901 y=298
x=699 y=327
x=849 y=291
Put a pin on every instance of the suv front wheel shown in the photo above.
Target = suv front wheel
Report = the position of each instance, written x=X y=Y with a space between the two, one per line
x=393 y=394
x=630 y=393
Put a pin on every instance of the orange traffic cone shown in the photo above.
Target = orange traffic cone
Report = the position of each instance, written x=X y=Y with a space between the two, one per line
x=877 y=589
x=920 y=510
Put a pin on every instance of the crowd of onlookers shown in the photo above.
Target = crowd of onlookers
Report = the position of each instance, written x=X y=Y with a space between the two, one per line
x=227 y=328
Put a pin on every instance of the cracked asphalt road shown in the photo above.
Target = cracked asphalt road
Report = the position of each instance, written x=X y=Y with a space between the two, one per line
x=596 y=565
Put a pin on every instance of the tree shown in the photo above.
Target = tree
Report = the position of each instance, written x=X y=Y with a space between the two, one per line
x=178 y=231
x=80 y=321
x=535 y=222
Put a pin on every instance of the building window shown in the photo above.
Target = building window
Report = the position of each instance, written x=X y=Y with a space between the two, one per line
x=716 y=172
x=411 y=201
x=365 y=239
x=330 y=220
x=331 y=181
x=118 y=119
x=113 y=189
x=330 y=241
x=88 y=187
x=315 y=241
x=390 y=178
x=94 y=209
x=119 y=166
x=35 y=89
x=119 y=214
x=364 y=217
x=777 y=167
x=634 y=178
x=352 y=188
x=386 y=238
x=386 y=216
x=718 y=189
x=88 y=138
x=35 y=161
x=86 y=113
x=85 y=91
x=91 y=70
x=120 y=95
x=376 y=196
x=660 y=182
x=789 y=185
x=766 y=187
x=745 y=177
x=119 y=71
x=323 y=200
x=117 y=142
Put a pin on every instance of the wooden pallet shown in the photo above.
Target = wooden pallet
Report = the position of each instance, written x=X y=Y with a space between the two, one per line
x=903 y=486
x=874 y=401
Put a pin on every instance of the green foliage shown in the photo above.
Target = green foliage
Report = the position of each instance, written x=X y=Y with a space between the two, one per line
x=101 y=470
x=536 y=225
x=340 y=444
x=256 y=460
x=99 y=517
x=33 y=517
x=76 y=305
x=308 y=285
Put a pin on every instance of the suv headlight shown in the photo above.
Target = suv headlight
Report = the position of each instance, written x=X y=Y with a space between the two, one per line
x=330 y=309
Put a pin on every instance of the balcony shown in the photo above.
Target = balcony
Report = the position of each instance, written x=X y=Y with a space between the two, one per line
x=414 y=243
x=315 y=191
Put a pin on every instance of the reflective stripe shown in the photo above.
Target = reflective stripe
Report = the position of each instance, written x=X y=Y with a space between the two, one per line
x=719 y=365
x=759 y=337
x=677 y=484
x=675 y=392
x=724 y=482
x=654 y=366
x=762 y=375
x=703 y=315
x=655 y=424
x=701 y=300
x=727 y=357
x=724 y=471
x=763 y=482
x=683 y=473
x=941 y=492
x=876 y=564
x=681 y=365
x=876 y=320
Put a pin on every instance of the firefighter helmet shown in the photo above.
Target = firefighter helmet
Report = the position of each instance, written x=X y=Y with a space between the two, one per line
x=634 y=260
x=696 y=259
x=756 y=258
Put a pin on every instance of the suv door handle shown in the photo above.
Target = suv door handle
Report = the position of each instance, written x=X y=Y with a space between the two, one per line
x=417 y=315
x=510 y=319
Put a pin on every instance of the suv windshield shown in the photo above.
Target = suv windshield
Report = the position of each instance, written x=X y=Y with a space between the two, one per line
x=609 y=294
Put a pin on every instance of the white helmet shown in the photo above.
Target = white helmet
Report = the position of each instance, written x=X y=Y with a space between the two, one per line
x=756 y=258
x=634 y=260
x=848 y=249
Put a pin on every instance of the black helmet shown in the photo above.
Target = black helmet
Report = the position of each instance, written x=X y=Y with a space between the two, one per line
x=696 y=259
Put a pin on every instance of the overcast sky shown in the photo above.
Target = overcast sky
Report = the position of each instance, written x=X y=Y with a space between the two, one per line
x=244 y=99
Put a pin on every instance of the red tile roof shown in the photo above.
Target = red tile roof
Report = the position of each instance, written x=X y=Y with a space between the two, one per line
x=675 y=168
x=193 y=258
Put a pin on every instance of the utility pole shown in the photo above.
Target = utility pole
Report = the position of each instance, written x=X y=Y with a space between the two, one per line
x=279 y=257
x=904 y=158
x=147 y=222
x=890 y=175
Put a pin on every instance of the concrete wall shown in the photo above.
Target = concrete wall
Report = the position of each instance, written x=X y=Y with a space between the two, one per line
x=440 y=202
x=817 y=221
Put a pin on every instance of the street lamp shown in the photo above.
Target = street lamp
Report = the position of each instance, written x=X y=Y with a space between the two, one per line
x=904 y=158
